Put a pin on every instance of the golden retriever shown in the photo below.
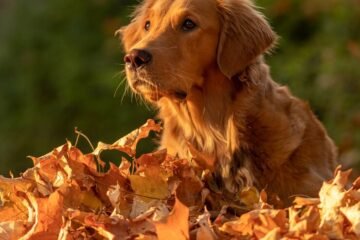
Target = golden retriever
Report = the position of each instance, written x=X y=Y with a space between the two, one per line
x=201 y=63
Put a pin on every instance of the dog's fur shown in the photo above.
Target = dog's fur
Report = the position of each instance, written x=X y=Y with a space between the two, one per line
x=218 y=101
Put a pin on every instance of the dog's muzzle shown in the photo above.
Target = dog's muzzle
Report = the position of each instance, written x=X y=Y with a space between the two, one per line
x=137 y=58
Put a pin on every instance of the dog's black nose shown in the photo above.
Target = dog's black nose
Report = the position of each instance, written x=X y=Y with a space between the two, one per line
x=137 y=58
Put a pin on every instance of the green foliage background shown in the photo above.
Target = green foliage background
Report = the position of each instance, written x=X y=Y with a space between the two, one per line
x=60 y=66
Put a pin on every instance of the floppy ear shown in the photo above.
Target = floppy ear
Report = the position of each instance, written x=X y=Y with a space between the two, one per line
x=245 y=35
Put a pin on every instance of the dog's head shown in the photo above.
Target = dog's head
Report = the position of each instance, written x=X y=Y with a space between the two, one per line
x=172 y=45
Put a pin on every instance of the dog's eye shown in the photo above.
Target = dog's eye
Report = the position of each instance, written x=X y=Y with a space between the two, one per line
x=188 y=25
x=147 y=25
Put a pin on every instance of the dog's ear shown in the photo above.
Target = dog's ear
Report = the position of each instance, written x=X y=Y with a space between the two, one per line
x=245 y=34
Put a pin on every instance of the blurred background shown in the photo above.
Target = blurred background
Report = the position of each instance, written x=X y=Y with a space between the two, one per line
x=60 y=68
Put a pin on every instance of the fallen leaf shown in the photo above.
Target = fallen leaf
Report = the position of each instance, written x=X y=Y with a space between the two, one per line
x=12 y=230
x=352 y=214
x=300 y=201
x=302 y=221
x=128 y=143
x=205 y=231
x=176 y=225
x=256 y=223
x=189 y=191
x=149 y=188
x=249 y=196
x=141 y=210
x=49 y=217
x=68 y=195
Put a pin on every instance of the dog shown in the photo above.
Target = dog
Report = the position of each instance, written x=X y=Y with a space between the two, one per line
x=201 y=63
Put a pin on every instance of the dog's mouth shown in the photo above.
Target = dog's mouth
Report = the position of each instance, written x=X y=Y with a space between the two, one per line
x=154 y=92
x=148 y=90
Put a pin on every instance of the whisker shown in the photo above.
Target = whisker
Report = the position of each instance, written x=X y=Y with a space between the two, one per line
x=122 y=81
x=132 y=96
x=120 y=73
x=126 y=90
x=121 y=64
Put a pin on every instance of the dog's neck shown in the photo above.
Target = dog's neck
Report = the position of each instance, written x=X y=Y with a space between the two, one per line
x=227 y=119
x=205 y=118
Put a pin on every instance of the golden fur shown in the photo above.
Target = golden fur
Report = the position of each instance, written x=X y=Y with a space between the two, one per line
x=218 y=101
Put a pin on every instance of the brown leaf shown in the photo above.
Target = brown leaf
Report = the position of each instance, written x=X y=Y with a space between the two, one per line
x=49 y=217
x=273 y=234
x=144 y=227
x=249 y=196
x=352 y=213
x=12 y=206
x=300 y=201
x=189 y=191
x=176 y=225
x=256 y=223
x=304 y=221
x=141 y=210
x=128 y=143
x=332 y=195
x=152 y=159
x=149 y=188
x=110 y=228
x=205 y=231
x=12 y=230
x=68 y=196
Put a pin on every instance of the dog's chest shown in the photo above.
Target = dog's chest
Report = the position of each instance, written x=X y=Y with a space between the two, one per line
x=185 y=129
x=219 y=142
x=180 y=136
x=209 y=149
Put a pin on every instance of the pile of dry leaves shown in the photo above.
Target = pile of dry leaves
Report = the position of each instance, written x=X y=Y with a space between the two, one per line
x=67 y=195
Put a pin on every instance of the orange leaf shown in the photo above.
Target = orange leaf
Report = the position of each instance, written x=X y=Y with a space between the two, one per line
x=128 y=143
x=176 y=225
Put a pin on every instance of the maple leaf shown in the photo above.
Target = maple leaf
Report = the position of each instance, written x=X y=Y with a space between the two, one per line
x=332 y=196
x=49 y=213
x=256 y=223
x=302 y=221
x=108 y=227
x=128 y=143
x=67 y=196
x=352 y=213
x=12 y=230
x=12 y=206
x=149 y=188
x=189 y=191
x=205 y=231
x=176 y=225
x=249 y=196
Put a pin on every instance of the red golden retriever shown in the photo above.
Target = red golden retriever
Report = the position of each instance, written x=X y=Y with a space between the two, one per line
x=200 y=62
